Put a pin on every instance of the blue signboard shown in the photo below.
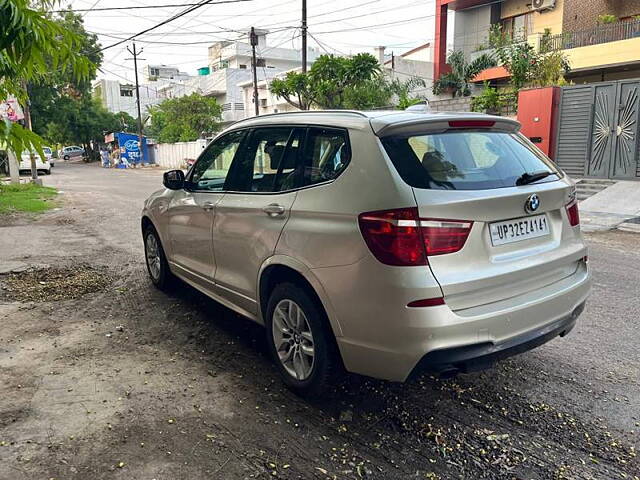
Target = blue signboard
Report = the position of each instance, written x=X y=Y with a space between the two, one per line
x=129 y=148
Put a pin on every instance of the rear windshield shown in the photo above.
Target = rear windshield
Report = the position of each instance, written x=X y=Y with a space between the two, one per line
x=465 y=160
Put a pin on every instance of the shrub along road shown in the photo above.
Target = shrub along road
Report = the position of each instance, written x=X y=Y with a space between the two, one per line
x=118 y=380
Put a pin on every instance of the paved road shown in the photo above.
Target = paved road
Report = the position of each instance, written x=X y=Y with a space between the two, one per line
x=185 y=390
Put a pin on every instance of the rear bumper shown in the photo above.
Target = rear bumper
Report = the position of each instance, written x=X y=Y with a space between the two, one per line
x=384 y=338
x=480 y=356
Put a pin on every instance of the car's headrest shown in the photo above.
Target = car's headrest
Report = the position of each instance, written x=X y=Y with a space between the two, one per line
x=276 y=152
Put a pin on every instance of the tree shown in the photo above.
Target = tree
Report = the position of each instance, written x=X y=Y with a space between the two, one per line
x=458 y=80
x=335 y=82
x=84 y=121
x=295 y=88
x=32 y=48
x=45 y=93
x=185 y=119
x=404 y=90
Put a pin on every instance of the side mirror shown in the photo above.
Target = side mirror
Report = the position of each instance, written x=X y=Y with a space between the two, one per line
x=173 y=179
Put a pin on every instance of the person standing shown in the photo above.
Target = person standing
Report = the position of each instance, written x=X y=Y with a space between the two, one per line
x=104 y=155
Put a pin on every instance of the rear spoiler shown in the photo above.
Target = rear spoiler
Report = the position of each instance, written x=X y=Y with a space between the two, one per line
x=422 y=124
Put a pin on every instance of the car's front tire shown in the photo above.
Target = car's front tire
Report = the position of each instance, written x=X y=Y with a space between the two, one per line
x=66 y=157
x=300 y=340
x=156 y=260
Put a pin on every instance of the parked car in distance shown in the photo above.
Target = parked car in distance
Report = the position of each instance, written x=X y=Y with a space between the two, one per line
x=42 y=165
x=71 y=152
x=48 y=153
x=387 y=243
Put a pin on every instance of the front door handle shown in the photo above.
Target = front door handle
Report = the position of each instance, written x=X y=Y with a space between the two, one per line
x=208 y=206
x=273 y=209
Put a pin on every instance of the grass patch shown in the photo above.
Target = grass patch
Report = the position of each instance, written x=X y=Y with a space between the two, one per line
x=26 y=197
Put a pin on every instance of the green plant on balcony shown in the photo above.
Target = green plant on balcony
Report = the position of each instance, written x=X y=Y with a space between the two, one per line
x=606 y=19
x=498 y=38
x=458 y=80
x=546 y=44
x=520 y=60
x=550 y=70
x=530 y=68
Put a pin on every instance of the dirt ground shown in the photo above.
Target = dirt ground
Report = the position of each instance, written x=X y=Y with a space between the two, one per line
x=126 y=382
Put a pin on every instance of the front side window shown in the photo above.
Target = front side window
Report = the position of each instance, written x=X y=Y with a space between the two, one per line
x=210 y=171
x=267 y=162
x=465 y=160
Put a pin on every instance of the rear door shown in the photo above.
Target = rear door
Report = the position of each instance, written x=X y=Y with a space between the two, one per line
x=519 y=238
x=251 y=215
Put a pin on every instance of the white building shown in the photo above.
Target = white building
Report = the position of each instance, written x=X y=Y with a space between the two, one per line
x=267 y=101
x=121 y=97
x=417 y=62
x=230 y=66
x=153 y=73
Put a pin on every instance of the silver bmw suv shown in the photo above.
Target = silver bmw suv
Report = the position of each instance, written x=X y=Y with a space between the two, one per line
x=385 y=243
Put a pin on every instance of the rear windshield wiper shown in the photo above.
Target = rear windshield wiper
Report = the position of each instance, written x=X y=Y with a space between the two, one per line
x=529 y=177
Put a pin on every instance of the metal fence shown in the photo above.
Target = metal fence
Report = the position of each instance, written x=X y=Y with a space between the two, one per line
x=593 y=36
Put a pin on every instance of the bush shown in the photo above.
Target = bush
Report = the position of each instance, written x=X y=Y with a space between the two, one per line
x=488 y=101
x=607 y=19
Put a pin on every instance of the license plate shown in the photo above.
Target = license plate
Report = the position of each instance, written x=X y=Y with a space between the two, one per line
x=518 y=229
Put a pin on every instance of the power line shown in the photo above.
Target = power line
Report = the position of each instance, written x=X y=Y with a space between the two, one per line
x=398 y=22
x=137 y=7
x=394 y=8
x=172 y=18
x=213 y=40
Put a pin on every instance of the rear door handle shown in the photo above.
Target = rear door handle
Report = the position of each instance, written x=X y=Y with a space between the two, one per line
x=208 y=206
x=273 y=209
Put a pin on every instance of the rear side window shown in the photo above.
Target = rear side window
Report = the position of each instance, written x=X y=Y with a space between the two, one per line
x=465 y=160
x=327 y=154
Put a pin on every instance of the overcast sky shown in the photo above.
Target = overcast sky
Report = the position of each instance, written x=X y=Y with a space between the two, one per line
x=336 y=26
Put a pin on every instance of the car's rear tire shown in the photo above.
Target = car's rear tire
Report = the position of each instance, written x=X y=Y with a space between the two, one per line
x=66 y=157
x=156 y=260
x=300 y=340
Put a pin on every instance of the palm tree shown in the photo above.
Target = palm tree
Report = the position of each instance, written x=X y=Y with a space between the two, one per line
x=458 y=80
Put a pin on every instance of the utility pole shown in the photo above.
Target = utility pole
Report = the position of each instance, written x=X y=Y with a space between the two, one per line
x=28 y=126
x=135 y=54
x=304 y=36
x=254 y=67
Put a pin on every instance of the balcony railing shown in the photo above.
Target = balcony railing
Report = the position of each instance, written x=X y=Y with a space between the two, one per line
x=593 y=36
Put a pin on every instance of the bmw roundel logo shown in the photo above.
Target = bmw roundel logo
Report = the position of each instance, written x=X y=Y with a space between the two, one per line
x=532 y=204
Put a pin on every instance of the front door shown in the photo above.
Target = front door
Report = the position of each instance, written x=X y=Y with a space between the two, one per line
x=614 y=130
x=253 y=212
x=191 y=212
x=602 y=138
x=624 y=163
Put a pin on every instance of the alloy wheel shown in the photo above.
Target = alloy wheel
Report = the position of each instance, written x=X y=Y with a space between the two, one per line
x=152 y=251
x=293 y=339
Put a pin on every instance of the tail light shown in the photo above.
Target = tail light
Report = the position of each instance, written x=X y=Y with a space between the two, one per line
x=400 y=237
x=573 y=214
x=471 y=123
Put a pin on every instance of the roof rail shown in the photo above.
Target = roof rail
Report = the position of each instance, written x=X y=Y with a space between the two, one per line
x=303 y=112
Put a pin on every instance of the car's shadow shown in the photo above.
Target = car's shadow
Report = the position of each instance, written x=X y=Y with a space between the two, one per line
x=455 y=418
